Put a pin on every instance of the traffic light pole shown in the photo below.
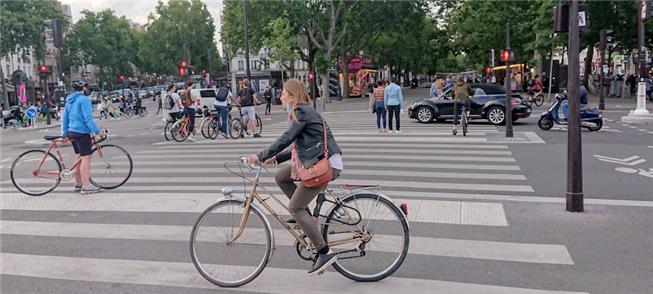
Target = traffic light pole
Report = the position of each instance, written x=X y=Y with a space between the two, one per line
x=508 y=114
x=574 y=195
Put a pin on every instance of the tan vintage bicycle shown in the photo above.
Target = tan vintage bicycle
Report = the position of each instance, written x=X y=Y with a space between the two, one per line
x=232 y=240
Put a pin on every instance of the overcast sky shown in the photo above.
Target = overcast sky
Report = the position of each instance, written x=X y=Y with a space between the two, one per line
x=136 y=10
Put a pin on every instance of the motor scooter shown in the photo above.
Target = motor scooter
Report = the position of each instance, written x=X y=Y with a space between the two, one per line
x=591 y=118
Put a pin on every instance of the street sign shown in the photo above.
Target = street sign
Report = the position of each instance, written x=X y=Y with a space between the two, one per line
x=561 y=23
x=31 y=112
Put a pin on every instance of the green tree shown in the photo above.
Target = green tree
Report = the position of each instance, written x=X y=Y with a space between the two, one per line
x=282 y=43
x=179 y=30
x=21 y=25
x=104 y=40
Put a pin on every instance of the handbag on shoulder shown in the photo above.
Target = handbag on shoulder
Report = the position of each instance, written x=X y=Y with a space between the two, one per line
x=320 y=173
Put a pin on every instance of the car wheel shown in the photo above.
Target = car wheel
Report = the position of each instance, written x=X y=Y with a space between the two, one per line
x=424 y=114
x=496 y=115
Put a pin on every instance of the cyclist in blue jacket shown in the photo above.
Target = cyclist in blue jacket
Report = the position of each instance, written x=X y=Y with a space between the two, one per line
x=78 y=125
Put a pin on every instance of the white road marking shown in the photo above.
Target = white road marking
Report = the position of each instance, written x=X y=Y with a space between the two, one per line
x=139 y=157
x=273 y=280
x=474 y=249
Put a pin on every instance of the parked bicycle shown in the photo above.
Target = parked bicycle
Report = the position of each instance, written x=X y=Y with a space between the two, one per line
x=38 y=172
x=232 y=240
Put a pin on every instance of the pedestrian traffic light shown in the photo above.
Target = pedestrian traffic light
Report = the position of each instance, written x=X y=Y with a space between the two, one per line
x=310 y=76
x=507 y=55
x=184 y=63
x=182 y=71
x=488 y=70
x=121 y=77
x=43 y=69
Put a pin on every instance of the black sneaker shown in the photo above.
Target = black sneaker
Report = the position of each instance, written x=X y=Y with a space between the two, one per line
x=323 y=262
x=257 y=135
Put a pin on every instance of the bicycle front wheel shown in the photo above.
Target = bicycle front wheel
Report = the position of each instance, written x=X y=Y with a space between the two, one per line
x=385 y=237
x=235 y=128
x=204 y=127
x=217 y=256
x=166 y=130
x=35 y=172
x=539 y=100
x=111 y=166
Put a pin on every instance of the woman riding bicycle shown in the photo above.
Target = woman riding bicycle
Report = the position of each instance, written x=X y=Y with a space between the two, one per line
x=462 y=93
x=305 y=136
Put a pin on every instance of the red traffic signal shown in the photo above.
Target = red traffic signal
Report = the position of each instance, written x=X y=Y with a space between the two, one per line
x=121 y=77
x=488 y=70
x=43 y=69
x=310 y=76
x=203 y=71
x=507 y=55
x=182 y=71
x=184 y=63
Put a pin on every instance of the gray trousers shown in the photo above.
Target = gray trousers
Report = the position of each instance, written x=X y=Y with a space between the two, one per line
x=300 y=197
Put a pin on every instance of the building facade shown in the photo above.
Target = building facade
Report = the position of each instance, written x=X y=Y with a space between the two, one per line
x=263 y=71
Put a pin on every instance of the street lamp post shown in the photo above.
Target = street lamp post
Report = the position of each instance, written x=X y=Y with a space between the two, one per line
x=248 y=73
x=574 y=195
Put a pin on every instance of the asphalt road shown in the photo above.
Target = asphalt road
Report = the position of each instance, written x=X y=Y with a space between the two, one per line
x=486 y=215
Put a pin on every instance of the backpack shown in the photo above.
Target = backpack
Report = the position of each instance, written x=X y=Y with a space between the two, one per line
x=246 y=97
x=170 y=102
x=222 y=94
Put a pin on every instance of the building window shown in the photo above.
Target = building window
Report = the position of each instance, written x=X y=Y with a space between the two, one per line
x=267 y=65
x=241 y=65
x=253 y=64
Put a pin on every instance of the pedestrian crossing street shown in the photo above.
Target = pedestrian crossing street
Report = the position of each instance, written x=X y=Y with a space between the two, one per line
x=138 y=234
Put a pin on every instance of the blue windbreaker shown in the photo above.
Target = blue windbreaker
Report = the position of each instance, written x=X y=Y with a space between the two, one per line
x=78 y=115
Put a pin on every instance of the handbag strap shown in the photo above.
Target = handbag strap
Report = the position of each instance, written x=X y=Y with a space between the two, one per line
x=326 y=148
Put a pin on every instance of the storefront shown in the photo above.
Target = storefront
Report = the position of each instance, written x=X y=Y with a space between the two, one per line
x=362 y=71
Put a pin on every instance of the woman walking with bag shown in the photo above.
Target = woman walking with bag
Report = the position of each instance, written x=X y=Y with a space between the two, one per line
x=315 y=160
x=378 y=107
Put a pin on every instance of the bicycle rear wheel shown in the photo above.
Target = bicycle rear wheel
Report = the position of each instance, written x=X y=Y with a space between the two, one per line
x=111 y=166
x=225 y=262
x=538 y=100
x=385 y=247
x=35 y=172
x=179 y=131
x=235 y=128
x=464 y=123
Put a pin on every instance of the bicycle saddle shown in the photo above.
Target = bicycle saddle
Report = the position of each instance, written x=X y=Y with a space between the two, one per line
x=50 y=137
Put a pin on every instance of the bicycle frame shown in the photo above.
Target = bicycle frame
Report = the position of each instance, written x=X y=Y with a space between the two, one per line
x=359 y=235
x=54 y=146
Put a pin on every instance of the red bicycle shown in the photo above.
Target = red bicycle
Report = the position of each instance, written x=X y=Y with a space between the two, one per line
x=38 y=172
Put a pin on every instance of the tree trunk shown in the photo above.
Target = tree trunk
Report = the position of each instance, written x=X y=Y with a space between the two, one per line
x=5 y=97
x=588 y=65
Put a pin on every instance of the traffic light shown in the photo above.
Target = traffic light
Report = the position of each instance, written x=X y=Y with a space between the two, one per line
x=507 y=55
x=488 y=70
x=184 y=63
x=121 y=77
x=310 y=76
x=44 y=70
x=182 y=71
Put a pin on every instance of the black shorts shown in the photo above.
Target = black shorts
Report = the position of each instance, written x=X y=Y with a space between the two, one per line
x=81 y=143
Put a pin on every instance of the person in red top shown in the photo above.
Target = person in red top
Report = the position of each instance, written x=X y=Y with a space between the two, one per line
x=379 y=107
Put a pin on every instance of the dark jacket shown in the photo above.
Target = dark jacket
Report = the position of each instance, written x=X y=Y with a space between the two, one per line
x=307 y=132
x=462 y=91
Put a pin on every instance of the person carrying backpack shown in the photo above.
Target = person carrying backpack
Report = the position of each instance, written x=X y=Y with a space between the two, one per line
x=187 y=101
x=171 y=102
x=248 y=101
x=221 y=103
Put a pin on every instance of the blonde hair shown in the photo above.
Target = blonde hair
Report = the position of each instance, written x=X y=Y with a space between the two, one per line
x=297 y=89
